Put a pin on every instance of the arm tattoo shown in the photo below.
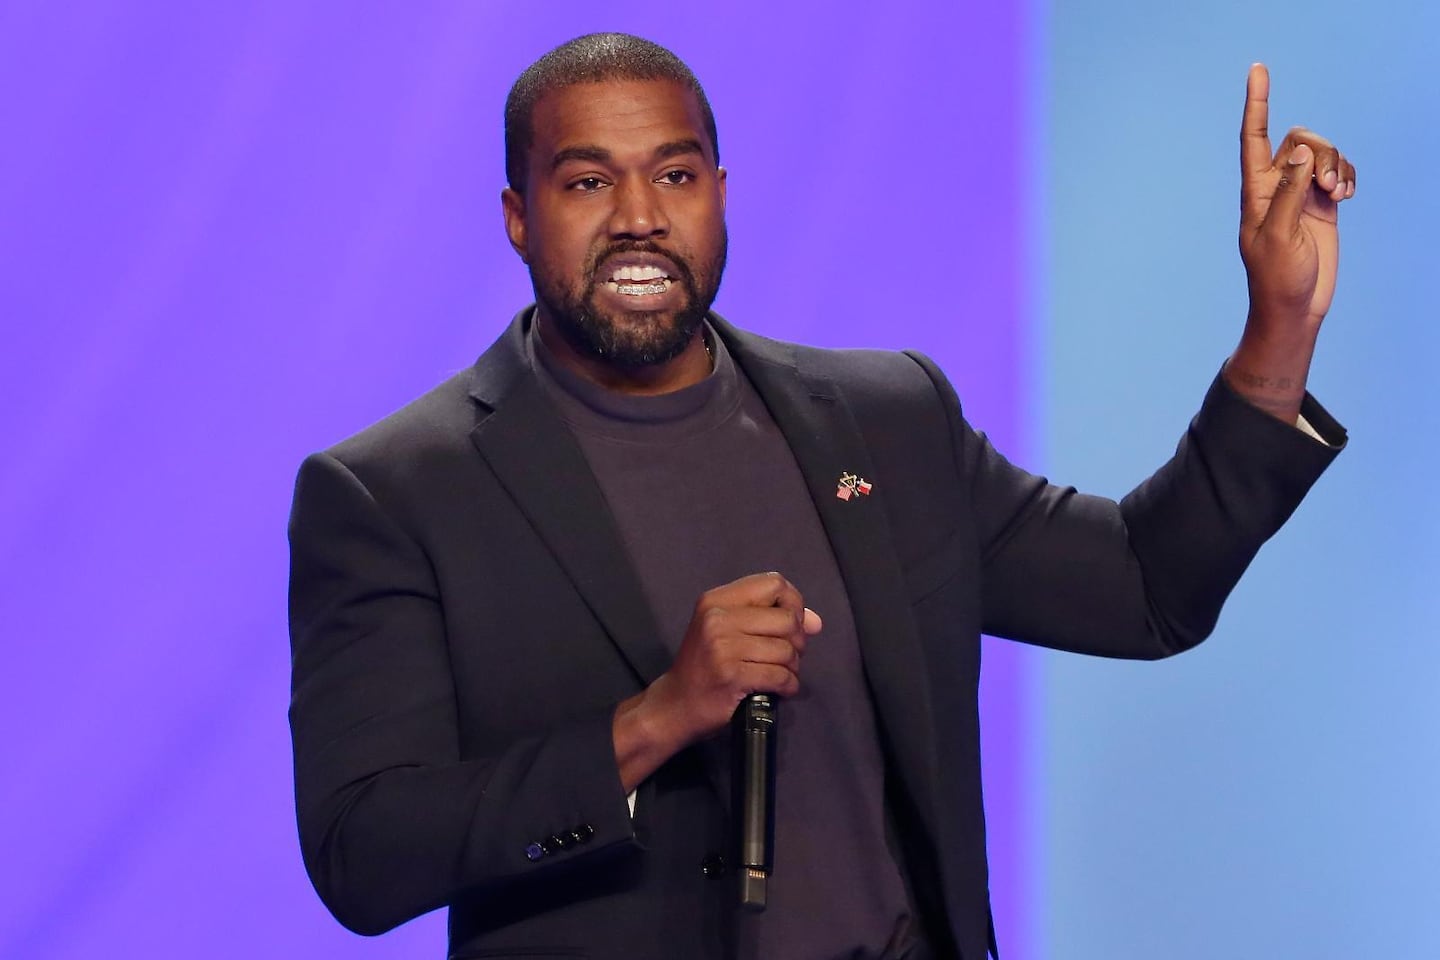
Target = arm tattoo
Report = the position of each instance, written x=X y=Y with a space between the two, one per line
x=1256 y=382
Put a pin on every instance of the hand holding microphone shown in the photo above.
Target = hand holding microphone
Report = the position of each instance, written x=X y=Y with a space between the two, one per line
x=740 y=655
x=745 y=637
x=770 y=609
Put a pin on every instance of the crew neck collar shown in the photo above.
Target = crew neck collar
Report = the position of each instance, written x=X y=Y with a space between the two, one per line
x=660 y=418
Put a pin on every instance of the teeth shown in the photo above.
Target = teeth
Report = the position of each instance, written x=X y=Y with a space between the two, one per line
x=638 y=273
x=642 y=289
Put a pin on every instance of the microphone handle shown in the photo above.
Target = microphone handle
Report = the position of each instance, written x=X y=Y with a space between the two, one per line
x=753 y=782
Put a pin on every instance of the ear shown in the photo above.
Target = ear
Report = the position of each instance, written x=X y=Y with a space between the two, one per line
x=512 y=204
x=720 y=173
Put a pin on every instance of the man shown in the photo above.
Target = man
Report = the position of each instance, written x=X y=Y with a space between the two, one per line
x=525 y=606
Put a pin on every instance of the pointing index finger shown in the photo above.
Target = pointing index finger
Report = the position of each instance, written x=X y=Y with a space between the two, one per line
x=1255 y=153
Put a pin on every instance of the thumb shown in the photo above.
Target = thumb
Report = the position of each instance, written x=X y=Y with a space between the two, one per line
x=812 y=622
x=1284 y=216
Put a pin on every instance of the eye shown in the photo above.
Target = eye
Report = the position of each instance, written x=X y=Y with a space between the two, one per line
x=587 y=184
x=676 y=177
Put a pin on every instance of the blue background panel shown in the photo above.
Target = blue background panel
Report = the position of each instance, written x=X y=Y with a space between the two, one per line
x=1274 y=792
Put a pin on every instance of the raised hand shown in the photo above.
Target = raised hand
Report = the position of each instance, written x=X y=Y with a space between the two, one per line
x=745 y=637
x=1290 y=244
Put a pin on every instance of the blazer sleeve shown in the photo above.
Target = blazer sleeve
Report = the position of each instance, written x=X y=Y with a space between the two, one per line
x=1145 y=577
x=393 y=823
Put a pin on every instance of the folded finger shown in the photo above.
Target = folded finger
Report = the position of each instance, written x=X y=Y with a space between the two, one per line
x=764 y=590
x=1327 y=157
x=1290 y=195
x=769 y=678
x=771 y=650
x=767 y=622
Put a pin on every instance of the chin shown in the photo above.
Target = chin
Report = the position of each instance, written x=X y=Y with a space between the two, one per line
x=645 y=339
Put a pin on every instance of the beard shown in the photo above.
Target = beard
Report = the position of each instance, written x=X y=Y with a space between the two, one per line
x=634 y=338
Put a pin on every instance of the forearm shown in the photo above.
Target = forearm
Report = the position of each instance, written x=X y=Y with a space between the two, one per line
x=1144 y=578
x=1236 y=477
x=648 y=729
x=641 y=745
x=1270 y=366
x=386 y=847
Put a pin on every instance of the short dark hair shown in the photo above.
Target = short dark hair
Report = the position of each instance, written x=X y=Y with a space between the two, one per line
x=592 y=58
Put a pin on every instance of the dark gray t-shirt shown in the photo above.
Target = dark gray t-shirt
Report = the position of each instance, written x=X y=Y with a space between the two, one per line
x=704 y=490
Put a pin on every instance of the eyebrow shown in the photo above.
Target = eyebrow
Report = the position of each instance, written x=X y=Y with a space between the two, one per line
x=678 y=148
x=583 y=154
x=587 y=153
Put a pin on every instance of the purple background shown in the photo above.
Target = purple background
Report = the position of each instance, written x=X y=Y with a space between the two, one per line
x=233 y=234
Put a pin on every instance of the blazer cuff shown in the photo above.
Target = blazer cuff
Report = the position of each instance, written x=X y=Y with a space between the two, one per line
x=1324 y=431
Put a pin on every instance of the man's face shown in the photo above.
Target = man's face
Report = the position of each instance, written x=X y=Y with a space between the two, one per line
x=622 y=223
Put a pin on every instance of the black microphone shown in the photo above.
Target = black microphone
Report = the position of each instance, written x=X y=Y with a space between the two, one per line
x=752 y=777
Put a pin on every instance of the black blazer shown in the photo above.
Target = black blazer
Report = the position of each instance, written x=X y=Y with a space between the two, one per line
x=464 y=621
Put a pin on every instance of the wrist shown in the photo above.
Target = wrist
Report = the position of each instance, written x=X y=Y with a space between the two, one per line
x=1275 y=391
x=1280 y=328
x=645 y=735
x=1270 y=365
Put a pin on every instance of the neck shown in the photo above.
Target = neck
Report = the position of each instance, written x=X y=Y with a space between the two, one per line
x=689 y=367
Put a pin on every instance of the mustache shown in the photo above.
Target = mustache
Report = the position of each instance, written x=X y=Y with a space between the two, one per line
x=682 y=266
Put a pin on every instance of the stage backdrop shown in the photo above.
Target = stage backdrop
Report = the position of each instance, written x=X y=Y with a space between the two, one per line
x=1273 y=793
x=234 y=234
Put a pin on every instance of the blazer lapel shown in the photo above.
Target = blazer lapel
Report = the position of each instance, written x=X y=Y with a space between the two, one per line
x=826 y=441
x=541 y=466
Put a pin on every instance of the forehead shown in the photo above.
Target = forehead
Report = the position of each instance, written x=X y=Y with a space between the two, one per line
x=620 y=116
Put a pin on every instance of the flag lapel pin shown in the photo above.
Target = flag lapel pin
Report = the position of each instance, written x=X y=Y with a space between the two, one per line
x=851 y=485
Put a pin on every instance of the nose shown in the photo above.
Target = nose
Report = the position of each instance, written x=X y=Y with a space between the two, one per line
x=639 y=211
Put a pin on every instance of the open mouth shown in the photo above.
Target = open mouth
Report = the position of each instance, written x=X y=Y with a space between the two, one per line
x=639 y=281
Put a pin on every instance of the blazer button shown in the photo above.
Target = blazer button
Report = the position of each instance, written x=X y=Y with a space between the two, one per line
x=585 y=831
x=561 y=841
x=713 y=865
x=534 y=852
x=577 y=837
